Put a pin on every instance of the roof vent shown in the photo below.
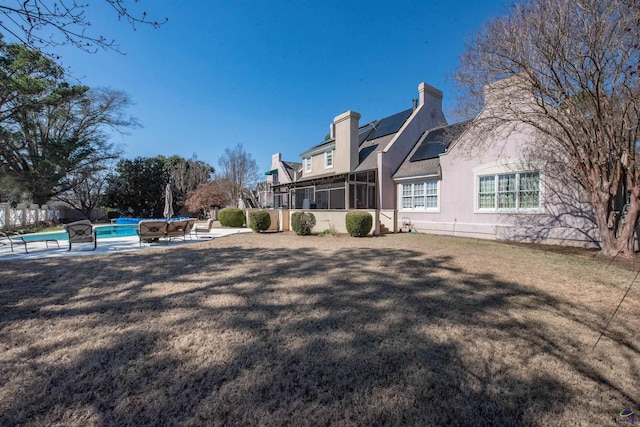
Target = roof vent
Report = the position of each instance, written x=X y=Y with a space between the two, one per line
x=415 y=103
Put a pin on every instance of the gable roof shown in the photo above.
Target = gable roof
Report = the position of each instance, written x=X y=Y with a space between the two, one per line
x=424 y=158
x=370 y=132
x=291 y=168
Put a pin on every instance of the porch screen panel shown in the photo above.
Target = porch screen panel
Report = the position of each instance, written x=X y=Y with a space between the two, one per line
x=336 y=199
x=322 y=199
x=300 y=194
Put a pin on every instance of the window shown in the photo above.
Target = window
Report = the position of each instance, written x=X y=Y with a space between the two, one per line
x=328 y=159
x=307 y=164
x=420 y=196
x=509 y=191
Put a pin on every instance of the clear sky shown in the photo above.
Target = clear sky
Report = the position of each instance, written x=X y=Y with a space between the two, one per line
x=272 y=75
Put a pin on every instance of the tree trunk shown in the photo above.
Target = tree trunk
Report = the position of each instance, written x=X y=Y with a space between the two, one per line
x=618 y=241
x=628 y=233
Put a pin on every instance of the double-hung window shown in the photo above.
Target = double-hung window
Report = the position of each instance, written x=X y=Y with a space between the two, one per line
x=420 y=196
x=328 y=159
x=307 y=164
x=509 y=191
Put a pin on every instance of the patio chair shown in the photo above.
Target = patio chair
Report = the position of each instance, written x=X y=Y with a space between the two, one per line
x=203 y=227
x=152 y=230
x=191 y=222
x=81 y=232
x=18 y=240
x=177 y=229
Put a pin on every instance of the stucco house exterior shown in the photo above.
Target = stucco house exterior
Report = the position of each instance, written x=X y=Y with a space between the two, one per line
x=278 y=176
x=353 y=168
x=458 y=179
x=462 y=180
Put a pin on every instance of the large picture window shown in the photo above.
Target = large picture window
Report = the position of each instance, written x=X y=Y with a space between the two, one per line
x=419 y=196
x=509 y=191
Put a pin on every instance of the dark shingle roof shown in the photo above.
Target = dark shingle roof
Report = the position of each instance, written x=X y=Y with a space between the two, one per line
x=291 y=168
x=424 y=157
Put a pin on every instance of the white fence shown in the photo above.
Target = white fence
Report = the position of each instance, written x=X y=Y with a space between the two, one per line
x=25 y=215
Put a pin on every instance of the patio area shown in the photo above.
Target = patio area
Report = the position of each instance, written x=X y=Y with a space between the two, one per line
x=39 y=250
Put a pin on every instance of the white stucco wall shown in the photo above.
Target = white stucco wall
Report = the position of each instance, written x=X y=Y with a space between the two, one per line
x=555 y=222
x=428 y=115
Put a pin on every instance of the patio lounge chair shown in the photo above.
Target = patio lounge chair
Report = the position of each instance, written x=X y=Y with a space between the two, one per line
x=18 y=240
x=191 y=222
x=81 y=232
x=152 y=230
x=177 y=229
x=203 y=227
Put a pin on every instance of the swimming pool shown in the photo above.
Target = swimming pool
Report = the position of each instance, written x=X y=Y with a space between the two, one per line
x=102 y=232
x=135 y=221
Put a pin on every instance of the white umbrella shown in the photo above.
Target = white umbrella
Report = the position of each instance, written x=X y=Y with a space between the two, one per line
x=168 y=202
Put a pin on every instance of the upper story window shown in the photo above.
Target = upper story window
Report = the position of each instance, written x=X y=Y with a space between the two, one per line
x=307 y=164
x=509 y=191
x=328 y=159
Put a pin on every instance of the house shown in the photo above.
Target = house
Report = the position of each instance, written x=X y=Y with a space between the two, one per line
x=463 y=180
x=353 y=168
x=279 y=175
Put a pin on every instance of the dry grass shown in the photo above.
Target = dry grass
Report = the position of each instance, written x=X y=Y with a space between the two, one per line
x=279 y=329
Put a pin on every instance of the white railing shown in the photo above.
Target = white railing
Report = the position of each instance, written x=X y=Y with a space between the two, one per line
x=25 y=215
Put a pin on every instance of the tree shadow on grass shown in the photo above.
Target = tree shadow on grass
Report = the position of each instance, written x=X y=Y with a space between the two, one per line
x=256 y=336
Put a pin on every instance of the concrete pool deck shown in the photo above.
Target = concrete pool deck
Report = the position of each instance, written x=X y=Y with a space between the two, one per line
x=39 y=250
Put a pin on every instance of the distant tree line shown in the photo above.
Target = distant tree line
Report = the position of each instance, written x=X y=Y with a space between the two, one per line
x=54 y=146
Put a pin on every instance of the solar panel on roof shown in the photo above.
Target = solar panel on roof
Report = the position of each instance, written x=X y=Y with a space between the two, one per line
x=436 y=141
x=390 y=124
x=428 y=150
x=431 y=146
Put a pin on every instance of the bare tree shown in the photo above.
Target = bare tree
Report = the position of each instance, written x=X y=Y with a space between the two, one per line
x=240 y=170
x=41 y=24
x=87 y=189
x=573 y=76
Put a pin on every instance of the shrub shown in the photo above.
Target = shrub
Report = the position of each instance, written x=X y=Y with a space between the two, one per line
x=259 y=221
x=302 y=222
x=359 y=223
x=231 y=217
x=331 y=231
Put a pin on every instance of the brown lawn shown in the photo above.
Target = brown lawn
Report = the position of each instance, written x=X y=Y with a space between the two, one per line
x=277 y=329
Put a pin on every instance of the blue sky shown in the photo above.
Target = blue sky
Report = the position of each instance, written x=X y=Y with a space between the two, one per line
x=272 y=75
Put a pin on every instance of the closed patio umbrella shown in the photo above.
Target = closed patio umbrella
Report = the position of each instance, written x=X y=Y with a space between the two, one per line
x=168 y=202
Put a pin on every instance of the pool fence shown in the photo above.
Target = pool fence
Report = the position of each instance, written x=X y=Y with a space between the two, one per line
x=25 y=215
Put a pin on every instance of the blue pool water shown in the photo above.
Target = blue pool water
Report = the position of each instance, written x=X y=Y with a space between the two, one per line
x=137 y=220
x=102 y=232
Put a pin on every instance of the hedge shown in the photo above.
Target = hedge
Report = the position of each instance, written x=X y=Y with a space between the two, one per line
x=359 y=223
x=231 y=217
x=259 y=221
x=302 y=222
